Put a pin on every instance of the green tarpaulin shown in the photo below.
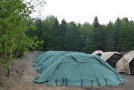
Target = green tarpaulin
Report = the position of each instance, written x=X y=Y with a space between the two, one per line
x=45 y=56
x=76 y=69
x=49 y=58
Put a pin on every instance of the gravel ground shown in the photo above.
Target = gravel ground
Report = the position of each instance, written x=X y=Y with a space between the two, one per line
x=22 y=73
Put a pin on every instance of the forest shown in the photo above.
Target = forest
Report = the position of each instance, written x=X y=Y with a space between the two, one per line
x=71 y=36
x=20 y=33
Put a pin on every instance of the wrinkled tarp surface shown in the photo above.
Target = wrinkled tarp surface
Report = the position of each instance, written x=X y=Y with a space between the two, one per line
x=45 y=56
x=49 y=58
x=78 y=69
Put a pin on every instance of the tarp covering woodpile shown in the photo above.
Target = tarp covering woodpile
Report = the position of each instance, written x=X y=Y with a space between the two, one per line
x=126 y=63
x=49 y=56
x=48 y=59
x=111 y=58
x=78 y=69
x=98 y=52
x=45 y=56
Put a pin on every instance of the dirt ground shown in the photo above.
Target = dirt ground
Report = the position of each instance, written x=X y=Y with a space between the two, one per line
x=22 y=72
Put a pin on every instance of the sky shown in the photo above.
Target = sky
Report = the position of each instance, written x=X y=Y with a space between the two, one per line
x=82 y=11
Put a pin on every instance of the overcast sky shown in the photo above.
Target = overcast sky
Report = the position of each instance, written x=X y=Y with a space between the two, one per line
x=85 y=10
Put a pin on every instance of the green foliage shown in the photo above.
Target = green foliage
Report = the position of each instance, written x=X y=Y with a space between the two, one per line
x=85 y=37
x=72 y=37
x=50 y=33
x=126 y=35
x=109 y=37
x=61 y=32
x=116 y=34
x=99 y=35
x=14 y=19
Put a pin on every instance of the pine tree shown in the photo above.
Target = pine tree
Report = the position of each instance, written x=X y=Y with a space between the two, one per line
x=116 y=34
x=109 y=37
x=99 y=40
x=50 y=33
x=62 y=31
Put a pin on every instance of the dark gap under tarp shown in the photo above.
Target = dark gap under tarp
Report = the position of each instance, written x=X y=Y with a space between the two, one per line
x=114 y=59
x=131 y=64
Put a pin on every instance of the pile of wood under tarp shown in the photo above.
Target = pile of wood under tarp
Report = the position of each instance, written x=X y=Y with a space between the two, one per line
x=131 y=64
x=114 y=59
x=111 y=58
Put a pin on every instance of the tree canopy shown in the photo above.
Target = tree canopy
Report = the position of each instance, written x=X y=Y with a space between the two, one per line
x=14 y=19
x=71 y=36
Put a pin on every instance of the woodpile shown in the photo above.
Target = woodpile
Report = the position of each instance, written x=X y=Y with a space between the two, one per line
x=114 y=59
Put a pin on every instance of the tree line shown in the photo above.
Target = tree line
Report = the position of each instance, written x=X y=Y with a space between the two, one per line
x=115 y=36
